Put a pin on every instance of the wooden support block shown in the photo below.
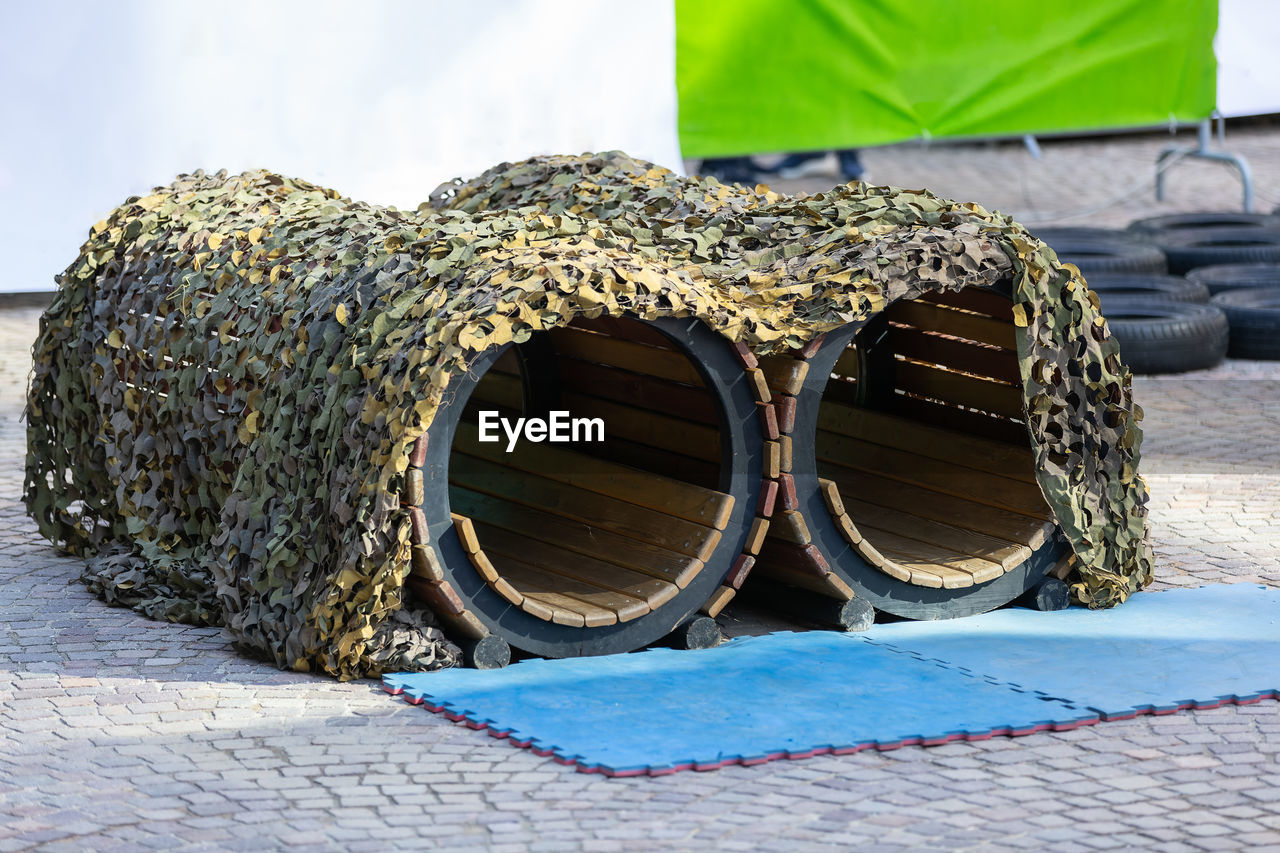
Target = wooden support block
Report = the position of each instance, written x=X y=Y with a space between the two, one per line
x=758 y=382
x=784 y=374
x=719 y=599
x=741 y=568
x=789 y=525
x=849 y=529
x=1048 y=595
x=426 y=563
x=810 y=349
x=419 y=532
x=831 y=492
x=786 y=406
x=768 y=496
x=787 y=491
x=759 y=529
x=772 y=459
x=466 y=625
x=466 y=532
x=768 y=420
x=745 y=355
x=486 y=652
x=418 y=455
x=784 y=446
x=696 y=632
x=413 y=488
x=439 y=596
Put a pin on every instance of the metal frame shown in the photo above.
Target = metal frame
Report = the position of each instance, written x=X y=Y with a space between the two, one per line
x=1204 y=150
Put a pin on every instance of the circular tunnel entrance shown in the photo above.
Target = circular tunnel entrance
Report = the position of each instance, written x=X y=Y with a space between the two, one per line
x=594 y=484
x=922 y=484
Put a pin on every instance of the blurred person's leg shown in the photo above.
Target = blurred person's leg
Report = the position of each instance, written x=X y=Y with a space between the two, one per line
x=730 y=170
x=851 y=168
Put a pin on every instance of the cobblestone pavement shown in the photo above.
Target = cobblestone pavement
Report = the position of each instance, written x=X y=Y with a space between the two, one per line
x=119 y=732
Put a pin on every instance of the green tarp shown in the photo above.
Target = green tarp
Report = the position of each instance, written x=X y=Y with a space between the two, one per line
x=760 y=75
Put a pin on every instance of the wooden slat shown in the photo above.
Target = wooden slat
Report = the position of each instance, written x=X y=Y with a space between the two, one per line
x=999 y=364
x=847 y=364
x=994 y=427
x=958 y=388
x=598 y=606
x=499 y=389
x=938 y=318
x=507 y=363
x=552 y=559
x=643 y=426
x=977 y=300
x=936 y=506
x=983 y=454
x=635 y=389
x=683 y=500
x=466 y=532
x=980 y=486
x=789 y=525
x=568 y=501
x=904 y=550
x=784 y=375
x=580 y=538
x=655 y=460
x=629 y=355
x=627 y=329
x=867 y=514
x=718 y=600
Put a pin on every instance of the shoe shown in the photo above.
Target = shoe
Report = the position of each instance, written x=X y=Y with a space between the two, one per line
x=804 y=165
x=851 y=168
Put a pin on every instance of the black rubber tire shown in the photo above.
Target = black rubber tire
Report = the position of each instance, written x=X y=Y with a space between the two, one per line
x=1152 y=288
x=1254 y=315
x=1236 y=276
x=1187 y=250
x=1202 y=221
x=1093 y=255
x=1167 y=337
x=1061 y=233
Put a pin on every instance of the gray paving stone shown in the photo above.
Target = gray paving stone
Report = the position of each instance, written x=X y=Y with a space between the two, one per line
x=117 y=732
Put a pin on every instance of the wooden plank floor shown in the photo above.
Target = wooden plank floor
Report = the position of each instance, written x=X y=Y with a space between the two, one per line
x=926 y=505
x=574 y=552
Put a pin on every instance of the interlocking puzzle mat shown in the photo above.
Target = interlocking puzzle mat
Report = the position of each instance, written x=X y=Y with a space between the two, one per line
x=790 y=695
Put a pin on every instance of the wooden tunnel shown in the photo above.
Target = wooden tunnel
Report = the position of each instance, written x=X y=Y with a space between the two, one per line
x=912 y=480
x=591 y=547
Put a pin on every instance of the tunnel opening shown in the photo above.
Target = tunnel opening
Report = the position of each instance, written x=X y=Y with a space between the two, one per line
x=600 y=529
x=922 y=448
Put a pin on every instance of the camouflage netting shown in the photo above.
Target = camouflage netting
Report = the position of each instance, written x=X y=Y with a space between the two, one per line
x=229 y=381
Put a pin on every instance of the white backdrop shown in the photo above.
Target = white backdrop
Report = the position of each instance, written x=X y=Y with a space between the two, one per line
x=379 y=100
x=1248 y=50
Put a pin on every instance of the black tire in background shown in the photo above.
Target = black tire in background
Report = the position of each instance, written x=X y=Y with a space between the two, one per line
x=1254 y=315
x=1056 y=233
x=1236 y=276
x=1187 y=250
x=1157 y=288
x=1204 y=220
x=1167 y=337
x=1094 y=254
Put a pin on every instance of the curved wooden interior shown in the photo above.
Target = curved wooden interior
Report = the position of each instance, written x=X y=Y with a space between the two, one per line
x=592 y=534
x=922 y=446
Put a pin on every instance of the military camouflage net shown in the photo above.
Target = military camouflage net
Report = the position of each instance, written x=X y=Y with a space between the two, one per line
x=230 y=379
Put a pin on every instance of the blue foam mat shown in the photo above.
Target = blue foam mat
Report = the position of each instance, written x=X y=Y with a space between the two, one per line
x=791 y=695
x=1157 y=652
x=750 y=700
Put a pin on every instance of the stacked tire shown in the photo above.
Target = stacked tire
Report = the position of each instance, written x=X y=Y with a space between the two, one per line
x=1183 y=291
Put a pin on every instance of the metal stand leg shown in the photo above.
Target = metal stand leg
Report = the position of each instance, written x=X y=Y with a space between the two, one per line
x=1204 y=151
